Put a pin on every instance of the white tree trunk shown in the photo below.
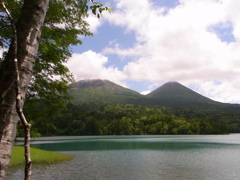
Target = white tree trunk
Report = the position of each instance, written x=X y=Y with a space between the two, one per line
x=29 y=27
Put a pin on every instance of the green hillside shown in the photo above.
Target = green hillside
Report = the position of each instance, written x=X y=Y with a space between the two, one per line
x=171 y=94
x=100 y=107
x=177 y=91
x=86 y=91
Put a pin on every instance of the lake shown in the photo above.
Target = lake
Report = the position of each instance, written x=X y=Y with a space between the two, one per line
x=167 y=157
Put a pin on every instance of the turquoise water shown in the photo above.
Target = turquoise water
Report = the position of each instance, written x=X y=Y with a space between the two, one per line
x=207 y=157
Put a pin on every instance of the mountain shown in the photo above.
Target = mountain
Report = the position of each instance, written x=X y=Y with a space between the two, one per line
x=171 y=94
x=175 y=90
x=103 y=91
x=176 y=95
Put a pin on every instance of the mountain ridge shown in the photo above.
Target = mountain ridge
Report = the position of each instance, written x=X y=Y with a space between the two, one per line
x=171 y=94
x=96 y=90
x=175 y=94
x=175 y=89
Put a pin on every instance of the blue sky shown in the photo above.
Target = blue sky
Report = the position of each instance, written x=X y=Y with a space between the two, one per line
x=146 y=44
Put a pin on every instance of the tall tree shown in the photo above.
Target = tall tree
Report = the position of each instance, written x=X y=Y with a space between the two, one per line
x=28 y=29
x=63 y=23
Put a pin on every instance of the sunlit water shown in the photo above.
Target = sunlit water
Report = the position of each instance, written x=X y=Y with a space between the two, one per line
x=183 y=157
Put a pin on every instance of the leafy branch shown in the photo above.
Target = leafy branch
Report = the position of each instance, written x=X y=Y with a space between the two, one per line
x=97 y=8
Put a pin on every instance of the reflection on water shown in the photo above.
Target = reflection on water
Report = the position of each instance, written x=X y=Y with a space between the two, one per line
x=171 y=142
x=142 y=157
x=120 y=145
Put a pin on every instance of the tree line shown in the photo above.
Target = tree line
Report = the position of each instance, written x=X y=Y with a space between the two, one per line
x=126 y=119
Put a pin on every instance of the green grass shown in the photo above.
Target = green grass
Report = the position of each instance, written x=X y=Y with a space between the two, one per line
x=38 y=156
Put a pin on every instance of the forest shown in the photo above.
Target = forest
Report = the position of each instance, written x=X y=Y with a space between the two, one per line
x=126 y=119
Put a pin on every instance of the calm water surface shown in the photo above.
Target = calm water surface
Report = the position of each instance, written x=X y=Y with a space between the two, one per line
x=178 y=157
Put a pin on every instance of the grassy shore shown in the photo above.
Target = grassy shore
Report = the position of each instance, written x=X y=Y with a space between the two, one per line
x=38 y=156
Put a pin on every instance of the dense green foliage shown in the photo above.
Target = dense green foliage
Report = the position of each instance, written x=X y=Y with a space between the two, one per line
x=129 y=119
x=104 y=108
x=39 y=157
x=65 y=22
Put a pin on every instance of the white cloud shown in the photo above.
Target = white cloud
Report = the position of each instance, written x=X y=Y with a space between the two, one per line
x=91 y=65
x=135 y=51
x=226 y=91
x=172 y=44
x=231 y=7
x=94 y=22
x=145 y=92
x=179 y=45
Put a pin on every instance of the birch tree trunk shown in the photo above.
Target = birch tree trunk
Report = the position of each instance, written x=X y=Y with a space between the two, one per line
x=28 y=28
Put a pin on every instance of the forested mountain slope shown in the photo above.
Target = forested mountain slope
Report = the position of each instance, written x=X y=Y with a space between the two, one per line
x=177 y=92
x=171 y=94
x=100 y=107
x=97 y=90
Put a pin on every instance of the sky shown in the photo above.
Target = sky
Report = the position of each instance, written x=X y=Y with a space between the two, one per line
x=145 y=43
